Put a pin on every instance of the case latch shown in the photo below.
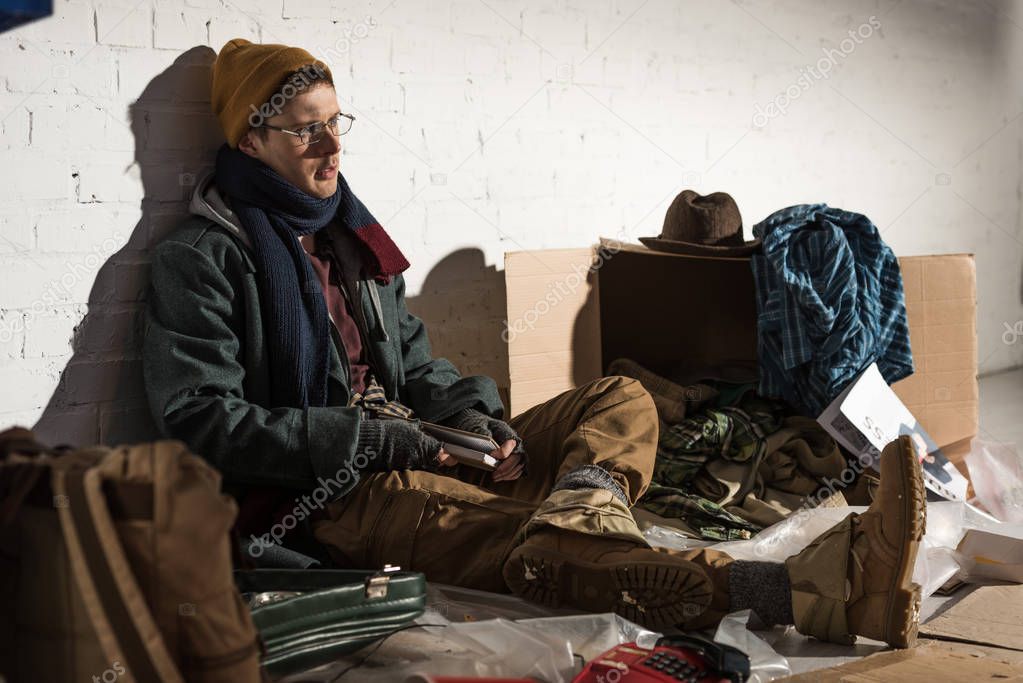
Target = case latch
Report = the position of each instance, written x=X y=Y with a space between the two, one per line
x=376 y=584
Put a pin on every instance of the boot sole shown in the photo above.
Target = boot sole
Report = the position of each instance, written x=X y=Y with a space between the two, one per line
x=656 y=593
x=903 y=618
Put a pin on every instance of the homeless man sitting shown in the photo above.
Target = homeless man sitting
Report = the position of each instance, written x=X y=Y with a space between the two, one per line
x=279 y=347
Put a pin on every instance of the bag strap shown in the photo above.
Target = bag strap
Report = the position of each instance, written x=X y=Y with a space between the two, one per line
x=23 y=461
x=115 y=604
x=16 y=483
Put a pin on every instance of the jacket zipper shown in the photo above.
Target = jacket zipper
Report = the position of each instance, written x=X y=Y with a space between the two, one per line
x=360 y=314
x=338 y=276
x=343 y=352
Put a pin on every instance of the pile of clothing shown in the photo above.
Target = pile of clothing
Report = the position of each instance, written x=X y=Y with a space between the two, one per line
x=731 y=462
x=737 y=456
x=829 y=303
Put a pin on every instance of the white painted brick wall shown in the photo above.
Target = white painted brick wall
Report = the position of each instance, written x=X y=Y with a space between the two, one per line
x=485 y=128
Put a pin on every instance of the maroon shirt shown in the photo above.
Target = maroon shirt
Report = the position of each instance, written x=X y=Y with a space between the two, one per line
x=340 y=308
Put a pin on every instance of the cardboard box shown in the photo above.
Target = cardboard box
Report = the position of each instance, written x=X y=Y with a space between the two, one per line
x=573 y=311
x=929 y=662
x=992 y=556
x=941 y=305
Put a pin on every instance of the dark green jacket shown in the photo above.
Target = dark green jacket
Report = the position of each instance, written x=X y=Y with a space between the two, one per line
x=207 y=372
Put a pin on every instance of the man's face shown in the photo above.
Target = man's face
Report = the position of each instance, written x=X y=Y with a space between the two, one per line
x=311 y=168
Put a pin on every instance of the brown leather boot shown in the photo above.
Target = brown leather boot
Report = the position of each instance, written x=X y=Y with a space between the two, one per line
x=557 y=567
x=856 y=578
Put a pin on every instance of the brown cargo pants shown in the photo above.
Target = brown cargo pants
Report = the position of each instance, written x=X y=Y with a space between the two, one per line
x=458 y=527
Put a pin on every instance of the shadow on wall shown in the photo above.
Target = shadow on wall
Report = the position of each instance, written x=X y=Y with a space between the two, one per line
x=99 y=397
x=463 y=304
x=587 y=349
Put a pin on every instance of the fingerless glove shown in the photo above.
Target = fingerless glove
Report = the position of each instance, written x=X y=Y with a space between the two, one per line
x=472 y=420
x=397 y=444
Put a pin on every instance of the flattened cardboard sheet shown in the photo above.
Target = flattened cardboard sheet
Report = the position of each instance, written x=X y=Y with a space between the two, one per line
x=926 y=663
x=990 y=615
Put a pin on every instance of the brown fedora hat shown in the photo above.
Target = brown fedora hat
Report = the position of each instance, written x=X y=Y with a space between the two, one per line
x=702 y=225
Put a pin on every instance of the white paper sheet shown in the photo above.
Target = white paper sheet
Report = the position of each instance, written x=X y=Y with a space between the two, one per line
x=868 y=415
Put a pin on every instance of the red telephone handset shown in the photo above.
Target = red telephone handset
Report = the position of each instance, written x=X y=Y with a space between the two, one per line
x=673 y=659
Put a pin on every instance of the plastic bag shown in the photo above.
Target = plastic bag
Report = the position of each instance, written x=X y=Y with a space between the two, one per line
x=787 y=537
x=936 y=562
x=511 y=649
x=996 y=470
x=458 y=604
x=666 y=537
x=591 y=635
x=765 y=664
x=542 y=648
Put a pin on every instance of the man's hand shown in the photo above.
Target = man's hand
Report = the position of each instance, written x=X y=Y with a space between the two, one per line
x=511 y=465
x=511 y=452
x=446 y=459
x=396 y=444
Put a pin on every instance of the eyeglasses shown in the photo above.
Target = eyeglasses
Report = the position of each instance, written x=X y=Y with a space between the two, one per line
x=314 y=132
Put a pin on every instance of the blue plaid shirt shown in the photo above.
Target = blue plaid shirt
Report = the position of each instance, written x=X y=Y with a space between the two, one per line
x=829 y=303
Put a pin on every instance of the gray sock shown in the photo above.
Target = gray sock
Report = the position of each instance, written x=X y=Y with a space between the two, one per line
x=591 y=477
x=762 y=587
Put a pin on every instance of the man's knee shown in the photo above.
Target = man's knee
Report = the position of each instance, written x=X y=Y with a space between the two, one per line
x=629 y=388
x=603 y=385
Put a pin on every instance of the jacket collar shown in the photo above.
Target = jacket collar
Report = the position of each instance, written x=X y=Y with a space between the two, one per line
x=207 y=201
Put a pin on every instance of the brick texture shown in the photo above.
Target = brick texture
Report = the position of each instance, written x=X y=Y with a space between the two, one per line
x=486 y=127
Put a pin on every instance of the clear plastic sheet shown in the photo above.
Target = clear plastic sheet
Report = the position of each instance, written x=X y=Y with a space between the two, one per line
x=546 y=649
x=765 y=663
x=492 y=648
x=499 y=647
x=936 y=562
x=787 y=537
x=996 y=470
x=486 y=638
x=947 y=523
x=590 y=635
x=666 y=537
x=466 y=604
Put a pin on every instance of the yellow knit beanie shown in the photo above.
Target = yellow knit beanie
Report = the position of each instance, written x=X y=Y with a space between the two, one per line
x=246 y=87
